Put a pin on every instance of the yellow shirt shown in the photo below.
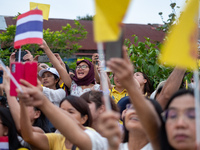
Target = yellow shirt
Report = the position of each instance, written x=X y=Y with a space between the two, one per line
x=117 y=95
x=56 y=141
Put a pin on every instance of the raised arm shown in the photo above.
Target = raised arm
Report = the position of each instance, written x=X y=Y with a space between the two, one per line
x=14 y=104
x=171 y=86
x=148 y=117
x=95 y=60
x=64 y=123
x=36 y=139
x=61 y=70
x=12 y=101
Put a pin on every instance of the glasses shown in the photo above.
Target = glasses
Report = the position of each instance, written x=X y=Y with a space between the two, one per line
x=82 y=67
x=130 y=106
x=174 y=114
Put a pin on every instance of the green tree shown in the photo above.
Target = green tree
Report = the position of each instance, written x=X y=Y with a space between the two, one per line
x=64 y=42
x=144 y=57
x=171 y=20
x=87 y=17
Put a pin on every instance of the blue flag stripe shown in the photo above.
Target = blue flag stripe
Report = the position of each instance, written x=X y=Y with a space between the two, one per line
x=29 y=26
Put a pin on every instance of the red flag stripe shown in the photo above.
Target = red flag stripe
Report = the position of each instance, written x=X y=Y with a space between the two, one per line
x=18 y=44
x=32 y=12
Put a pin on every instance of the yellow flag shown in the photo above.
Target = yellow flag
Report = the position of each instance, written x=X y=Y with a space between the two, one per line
x=180 y=47
x=44 y=7
x=108 y=18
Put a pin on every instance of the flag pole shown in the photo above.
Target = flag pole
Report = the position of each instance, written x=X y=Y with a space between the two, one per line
x=197 y=105
x=196 y=93
x=103 y=76
x=19 y=55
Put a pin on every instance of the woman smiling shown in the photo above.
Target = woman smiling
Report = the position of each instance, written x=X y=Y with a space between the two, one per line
x=84 y=79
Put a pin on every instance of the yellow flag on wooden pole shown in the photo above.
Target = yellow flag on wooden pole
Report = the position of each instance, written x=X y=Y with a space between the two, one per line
x=180 y=48
x=108 y=18
x=44 y=7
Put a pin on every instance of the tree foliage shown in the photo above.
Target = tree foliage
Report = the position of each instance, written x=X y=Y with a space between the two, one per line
x=144 y=57
x=87 y=17
x=171 y=20
x=64 y=42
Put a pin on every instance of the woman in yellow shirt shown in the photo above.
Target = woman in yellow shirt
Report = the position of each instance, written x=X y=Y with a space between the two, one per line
x=73 y=106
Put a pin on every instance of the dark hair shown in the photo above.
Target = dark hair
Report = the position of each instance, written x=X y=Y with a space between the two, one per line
x=179 y=93
x=3 y=101
x=80 y=105
x=8 y=121
x=41 y=121
x=158 y=109
x=72 y=70
x=67 y=67
x=148 y=88
x=158 y=91
x=163 y=134
x=96 y=97
x=57 y=83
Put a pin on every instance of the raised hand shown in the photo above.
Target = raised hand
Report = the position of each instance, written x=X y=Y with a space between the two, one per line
x=60 y=59
x=43 y=45
x=31 y=96
x=108 y=127
x=95 y=58
x=28 y=56
x=123 y=69
x=12 y=57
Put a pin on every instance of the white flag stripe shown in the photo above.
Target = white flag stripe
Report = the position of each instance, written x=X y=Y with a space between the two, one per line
x=30 y=18
x=31 y=34
x=4 y=145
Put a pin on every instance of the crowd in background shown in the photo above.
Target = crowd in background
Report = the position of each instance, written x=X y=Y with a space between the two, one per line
x=66 y=110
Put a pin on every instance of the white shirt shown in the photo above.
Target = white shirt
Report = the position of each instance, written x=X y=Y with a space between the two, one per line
x=98 y=142
x=124 y=146
x=55 y=96
x=78 y=91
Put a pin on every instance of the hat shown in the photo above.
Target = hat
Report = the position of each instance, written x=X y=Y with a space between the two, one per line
x=126 y=100
x=122 y=103
x=50 y=69
x=160 y=85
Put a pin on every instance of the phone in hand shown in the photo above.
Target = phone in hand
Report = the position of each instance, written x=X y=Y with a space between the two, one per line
x=23 y=53
x=96 y=60
x=1 y=76
x=113 y=50
x=43 y=59
x=27 y=71
x=17 y=70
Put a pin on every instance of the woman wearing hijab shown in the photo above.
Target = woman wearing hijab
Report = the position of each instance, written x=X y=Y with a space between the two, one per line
x=84 y=79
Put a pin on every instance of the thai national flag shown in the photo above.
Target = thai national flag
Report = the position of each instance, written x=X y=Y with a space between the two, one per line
x=4 y=143
x=29 y=28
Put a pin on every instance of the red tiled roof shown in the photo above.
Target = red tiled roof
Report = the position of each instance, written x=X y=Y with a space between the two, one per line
x=88 y=44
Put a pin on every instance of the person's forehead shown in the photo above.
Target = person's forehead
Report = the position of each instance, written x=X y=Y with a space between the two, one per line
x=182 y=102
x=83 y=63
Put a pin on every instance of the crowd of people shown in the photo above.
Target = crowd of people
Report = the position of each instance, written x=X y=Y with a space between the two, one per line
x=67 y=110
